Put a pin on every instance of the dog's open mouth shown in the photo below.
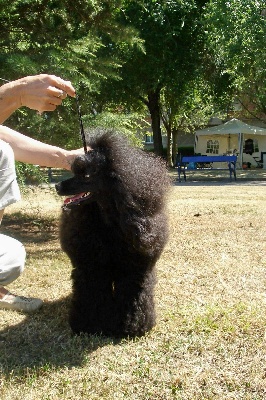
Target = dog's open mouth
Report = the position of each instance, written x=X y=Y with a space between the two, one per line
x=75 y=200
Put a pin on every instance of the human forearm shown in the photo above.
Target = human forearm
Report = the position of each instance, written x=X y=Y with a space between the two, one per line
x=9 y=100
x=32 y=151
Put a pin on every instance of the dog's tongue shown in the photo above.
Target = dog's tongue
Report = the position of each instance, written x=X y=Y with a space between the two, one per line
x=74 y=198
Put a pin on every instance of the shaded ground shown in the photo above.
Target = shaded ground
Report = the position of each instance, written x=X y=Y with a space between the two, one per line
x=220 y=176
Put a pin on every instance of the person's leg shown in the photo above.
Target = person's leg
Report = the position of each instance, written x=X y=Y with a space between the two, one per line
x=1 y=215
x=9 y=189
x=3 y=291
x=12 y=252
x=12 y=260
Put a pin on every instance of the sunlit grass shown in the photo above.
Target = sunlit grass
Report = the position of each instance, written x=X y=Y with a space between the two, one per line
x=209 y=342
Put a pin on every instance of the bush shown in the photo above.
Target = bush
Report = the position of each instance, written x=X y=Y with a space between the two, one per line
x=28 y=174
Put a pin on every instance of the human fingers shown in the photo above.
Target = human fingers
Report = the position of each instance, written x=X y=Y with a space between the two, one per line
x=60 y=94
x=69 y=89
x=65 y=86
x=46 y=107
x=53 y=96
x=49 y=104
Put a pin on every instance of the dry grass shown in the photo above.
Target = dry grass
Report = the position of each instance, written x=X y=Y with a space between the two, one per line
x=209 y=342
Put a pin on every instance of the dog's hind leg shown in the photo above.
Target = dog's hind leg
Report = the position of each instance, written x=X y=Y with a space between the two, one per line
x=133 y=307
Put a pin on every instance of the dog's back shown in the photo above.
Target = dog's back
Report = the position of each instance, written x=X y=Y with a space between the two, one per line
x=114 y=233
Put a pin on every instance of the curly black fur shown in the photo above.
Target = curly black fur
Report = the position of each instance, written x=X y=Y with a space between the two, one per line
x=114 y=236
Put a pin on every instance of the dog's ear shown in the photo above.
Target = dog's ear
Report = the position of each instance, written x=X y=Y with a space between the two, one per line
x=90 y=163
x=79 y=165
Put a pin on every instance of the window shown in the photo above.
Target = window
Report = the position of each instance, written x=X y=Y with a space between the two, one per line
x=256 y=145
x=251 y=146
x=148 y=138
x=212 y=147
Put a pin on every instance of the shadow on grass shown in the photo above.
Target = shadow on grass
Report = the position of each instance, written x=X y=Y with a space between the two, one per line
x=44 y=341
x=29 y=228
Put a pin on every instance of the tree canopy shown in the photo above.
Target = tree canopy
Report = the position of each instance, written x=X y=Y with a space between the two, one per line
x=172 y=37
x=176 y=61
x=235 y=40
x=63 y=38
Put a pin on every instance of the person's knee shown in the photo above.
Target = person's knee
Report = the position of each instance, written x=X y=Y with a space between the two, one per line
x=12 y=263
x=20 y=258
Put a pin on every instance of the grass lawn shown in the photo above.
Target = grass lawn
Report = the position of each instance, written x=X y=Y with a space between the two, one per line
x=209 y=342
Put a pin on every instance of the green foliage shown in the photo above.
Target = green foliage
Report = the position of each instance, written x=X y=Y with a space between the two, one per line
x=179 y=60
x=30 y=174
x=192 y=109
x=55 y=37
x=236 y=33
x=129 y=124
x=170 y=32
x=163 y=76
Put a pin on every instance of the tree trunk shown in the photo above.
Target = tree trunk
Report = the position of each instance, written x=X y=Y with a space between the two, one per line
x=169 y=148
x=154 y=108
x=174 y=146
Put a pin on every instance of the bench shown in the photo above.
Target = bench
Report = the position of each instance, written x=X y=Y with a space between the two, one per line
x=205 y=162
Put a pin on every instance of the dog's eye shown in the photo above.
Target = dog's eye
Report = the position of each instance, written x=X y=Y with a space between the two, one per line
x=92 y=171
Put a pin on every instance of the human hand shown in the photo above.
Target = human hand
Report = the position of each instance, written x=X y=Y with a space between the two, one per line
x=43 y=92
x=72 y=154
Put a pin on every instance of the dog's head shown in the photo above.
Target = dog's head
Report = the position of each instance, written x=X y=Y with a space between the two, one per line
x=116 y=176
x=88 y=169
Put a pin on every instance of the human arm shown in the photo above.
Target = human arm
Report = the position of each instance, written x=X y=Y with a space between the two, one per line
x=32 y=151
x=39 y=92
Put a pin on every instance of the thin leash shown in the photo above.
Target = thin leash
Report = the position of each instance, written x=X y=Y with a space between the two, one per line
x=82 y=134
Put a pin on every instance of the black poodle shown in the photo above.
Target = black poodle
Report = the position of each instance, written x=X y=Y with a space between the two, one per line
x=114 y=229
